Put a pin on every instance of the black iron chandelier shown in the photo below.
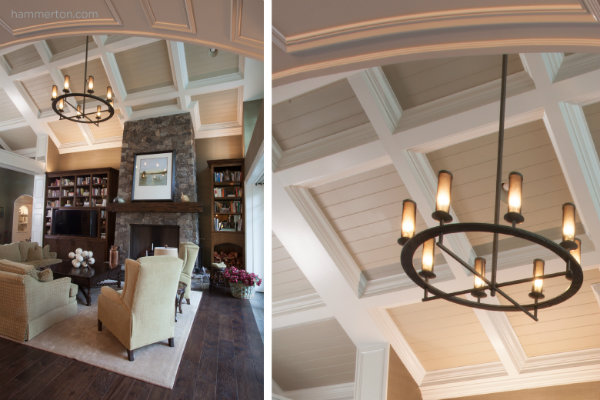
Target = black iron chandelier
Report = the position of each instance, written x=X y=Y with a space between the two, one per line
x=569 y=250
x=72 y=105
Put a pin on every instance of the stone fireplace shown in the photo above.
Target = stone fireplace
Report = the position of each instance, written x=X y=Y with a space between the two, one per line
x=169 y=133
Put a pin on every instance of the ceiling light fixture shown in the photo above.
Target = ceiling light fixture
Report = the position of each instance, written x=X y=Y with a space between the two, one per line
x=569 y=250
x=72 y=105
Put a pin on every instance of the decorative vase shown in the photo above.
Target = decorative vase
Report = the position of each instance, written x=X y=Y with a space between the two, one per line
x=240 y=291
x=113 y=257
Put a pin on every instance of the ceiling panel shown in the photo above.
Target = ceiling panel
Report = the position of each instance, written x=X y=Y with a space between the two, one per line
x=570 y=326
x=23 y=58
x=147 y=106
x=288 y=279
x=313 y=354
x=67 y=132
x=201 y=64
x=40 y=91
x=108 y=129
x=527 y=149
x=218 y=107
x=9 y=111
x=145 y=67
x=69 y=45
x=592 y=115
x=366 y=210
x=19 y=138
x=96 y=69
x=419 y=82
x=316 y=115
x=443 y=335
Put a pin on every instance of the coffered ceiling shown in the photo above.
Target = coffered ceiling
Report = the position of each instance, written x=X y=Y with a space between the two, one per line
x=150 y=77
x=348 y=148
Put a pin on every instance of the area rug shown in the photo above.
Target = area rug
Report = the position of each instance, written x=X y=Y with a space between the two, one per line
x=78 y=338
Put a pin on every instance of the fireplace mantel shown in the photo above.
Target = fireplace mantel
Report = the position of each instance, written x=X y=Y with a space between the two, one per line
x=156 y=207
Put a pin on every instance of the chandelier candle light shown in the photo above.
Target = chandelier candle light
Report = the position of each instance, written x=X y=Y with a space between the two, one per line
x=72 y=105
x=569 y=250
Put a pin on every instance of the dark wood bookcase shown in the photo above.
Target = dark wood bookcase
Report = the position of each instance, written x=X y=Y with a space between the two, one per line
x=227 y=206
x=84 y=190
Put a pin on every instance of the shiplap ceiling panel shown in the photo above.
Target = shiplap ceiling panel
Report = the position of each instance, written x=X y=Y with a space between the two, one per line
x=570 y=326
x=26 y=57
x=419 y=82
x=40 y=91
x=443 y=335
x=109 y=129
x=288 y=279
x=145 y=67
x=592 y=115
x=19 y=138
x=9 y=110
x=218 y=107
x=527 y=149
x=69 y=45
x=316 y=115
x=313 y=354
x=202 y=65
x=366 y=210
x=67 y=132
x=147 y=106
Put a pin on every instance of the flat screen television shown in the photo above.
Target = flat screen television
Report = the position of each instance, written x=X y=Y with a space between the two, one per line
x=75 y=222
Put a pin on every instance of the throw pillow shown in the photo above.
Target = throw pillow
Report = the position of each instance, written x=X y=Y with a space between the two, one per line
x=46 y=251
x=34 y=253
x=10 y=252
x=45 y=275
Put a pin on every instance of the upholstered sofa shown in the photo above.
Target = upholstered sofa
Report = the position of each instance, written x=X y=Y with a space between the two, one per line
x=31 y=301
x=29 y=253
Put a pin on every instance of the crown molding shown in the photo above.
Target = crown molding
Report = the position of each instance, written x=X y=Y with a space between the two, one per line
x=440 y=19
x=296 y=304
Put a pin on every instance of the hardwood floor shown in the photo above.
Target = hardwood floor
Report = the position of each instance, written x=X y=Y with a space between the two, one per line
x=223 y=359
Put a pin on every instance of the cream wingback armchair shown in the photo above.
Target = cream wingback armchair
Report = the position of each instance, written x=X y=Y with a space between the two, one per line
x=188 y=252
x=142 y=313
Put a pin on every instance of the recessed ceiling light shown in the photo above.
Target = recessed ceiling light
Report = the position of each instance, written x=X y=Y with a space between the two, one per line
x=213 y=52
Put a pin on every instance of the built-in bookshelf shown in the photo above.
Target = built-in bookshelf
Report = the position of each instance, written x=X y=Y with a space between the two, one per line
x=91 y=189
x=227 y=202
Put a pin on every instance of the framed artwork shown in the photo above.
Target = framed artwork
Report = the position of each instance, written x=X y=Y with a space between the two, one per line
x=153 y=176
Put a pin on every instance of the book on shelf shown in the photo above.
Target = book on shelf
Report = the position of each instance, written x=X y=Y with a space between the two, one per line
x=228 y=176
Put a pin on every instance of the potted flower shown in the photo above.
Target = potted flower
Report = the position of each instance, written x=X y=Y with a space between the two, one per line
x=241 y=282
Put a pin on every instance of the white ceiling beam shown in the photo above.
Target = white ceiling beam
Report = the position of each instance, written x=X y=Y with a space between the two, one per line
x=4 y=145
x=296 y=235
x=573 y=145
x=109 y=144
x=19 y=163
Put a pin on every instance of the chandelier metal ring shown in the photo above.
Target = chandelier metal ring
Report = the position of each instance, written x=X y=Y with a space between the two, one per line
x=411 y=246
x=84 y=117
